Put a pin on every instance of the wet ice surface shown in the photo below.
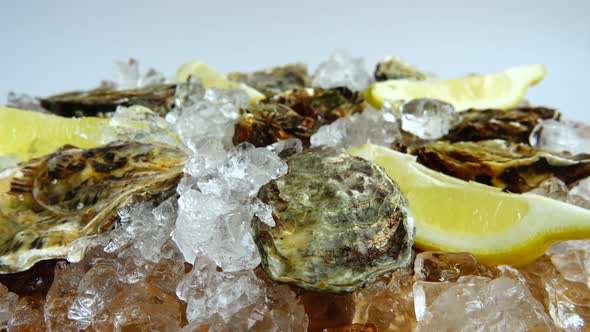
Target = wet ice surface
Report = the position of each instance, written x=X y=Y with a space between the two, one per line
x=428 y=118
x=578 y=194
x=563 y=136
x=370 y=126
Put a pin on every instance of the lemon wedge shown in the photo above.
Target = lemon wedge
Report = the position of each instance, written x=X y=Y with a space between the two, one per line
x=458 y=216
x=211 y=78
x=28 y=134
x=501 y=90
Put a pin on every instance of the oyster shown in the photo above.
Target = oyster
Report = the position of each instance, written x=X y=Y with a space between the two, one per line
x=515 y=167
x=275 y=80
x=392 y=68
x=295 y=114
x=48 y=202
x=515 y=125
x=101 y=101
x=340 y=222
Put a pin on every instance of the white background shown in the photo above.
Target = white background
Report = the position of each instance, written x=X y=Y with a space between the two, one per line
x=52 y=46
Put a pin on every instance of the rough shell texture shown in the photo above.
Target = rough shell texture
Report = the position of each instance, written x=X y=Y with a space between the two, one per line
x=392 y=68
x=275 y=80
x=47 y=203
x=514 y=167
x=101 y=101
x=340 y=222
x=295 y=114
x=515 y=125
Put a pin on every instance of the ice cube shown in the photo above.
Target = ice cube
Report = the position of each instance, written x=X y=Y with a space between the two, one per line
x=428 y=118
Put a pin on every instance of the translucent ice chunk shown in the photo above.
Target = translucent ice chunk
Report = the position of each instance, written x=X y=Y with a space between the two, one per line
x=562 y=136
x=8 y=302
x=127 y=75
x=209 y=292
x=342 y=70
x=428 y=118
x=580 y=194
x=370 y=126
x=477 y=303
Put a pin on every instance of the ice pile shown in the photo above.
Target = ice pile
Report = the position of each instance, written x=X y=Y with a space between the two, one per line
x=238 y=301
x=477 y=303
x=453 y=291
x=342 y=70
x=561 y=136
x=217 y=203
x=206 y=113
x=370 y=126
x=428 y=118
x=138 y=123
x=128 y=76
x=578 y=194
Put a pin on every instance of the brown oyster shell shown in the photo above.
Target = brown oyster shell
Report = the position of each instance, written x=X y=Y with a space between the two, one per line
x=48 y=202
x=514 y=167
x=514 y=125
x=295 y=114
x=273 y=81
x=101 y=101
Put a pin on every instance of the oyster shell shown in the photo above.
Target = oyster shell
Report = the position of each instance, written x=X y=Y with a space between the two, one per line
x=515 y=167
x=340 y=222
x=48 y=202
x=101 y=101
x=275 y=80
x=295 y=114
x=515 y=125
x=392 y=68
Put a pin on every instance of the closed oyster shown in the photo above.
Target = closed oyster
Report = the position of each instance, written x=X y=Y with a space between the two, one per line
x=47 y=203
x=275 y=80
x=101 y=101
x=340 y=222
x=514 y=125
x=392 y=68
x=511 y=166
x=295 y=114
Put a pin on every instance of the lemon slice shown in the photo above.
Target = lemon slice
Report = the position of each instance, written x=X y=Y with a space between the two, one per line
x=211 y=78
x=458 y=216
x=502 y=90
x=28 y=134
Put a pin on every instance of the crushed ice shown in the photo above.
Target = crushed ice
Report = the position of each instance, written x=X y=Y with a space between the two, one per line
x=128 y=76
x=370 y=126
x=342 y=70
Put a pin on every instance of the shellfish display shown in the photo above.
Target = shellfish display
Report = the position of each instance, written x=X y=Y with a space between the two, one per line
x=275 y=200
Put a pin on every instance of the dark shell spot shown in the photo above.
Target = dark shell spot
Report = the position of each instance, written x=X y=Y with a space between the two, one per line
x=106 y=168
x=37 y=243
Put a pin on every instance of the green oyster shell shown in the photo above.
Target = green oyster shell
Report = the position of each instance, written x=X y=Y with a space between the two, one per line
x=340 y=223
